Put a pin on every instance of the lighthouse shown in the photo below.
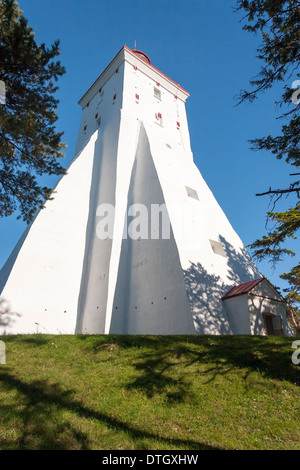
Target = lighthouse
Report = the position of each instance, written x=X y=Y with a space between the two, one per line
x=133 y=241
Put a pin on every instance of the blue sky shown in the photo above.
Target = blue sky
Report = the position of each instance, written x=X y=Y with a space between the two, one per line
x=200 y=45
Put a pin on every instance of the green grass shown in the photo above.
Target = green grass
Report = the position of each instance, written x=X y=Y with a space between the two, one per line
x=149 y=392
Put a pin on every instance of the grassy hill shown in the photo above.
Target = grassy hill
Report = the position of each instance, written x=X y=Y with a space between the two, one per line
x=149 y=392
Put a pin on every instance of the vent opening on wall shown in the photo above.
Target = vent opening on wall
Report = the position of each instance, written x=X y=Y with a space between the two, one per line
x=217 y=248
x=158 y=118
x=192 y=193
x=157 y=93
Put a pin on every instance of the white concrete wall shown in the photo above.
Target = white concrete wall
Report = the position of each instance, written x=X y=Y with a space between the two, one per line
x=76 y=278
x=258 y=306
x=194 y=222
x=149 y=295
x=264 y=289
x=41 y=279
x=238 y=313
x=264 y=299
x=95 y=286
x=246 y=311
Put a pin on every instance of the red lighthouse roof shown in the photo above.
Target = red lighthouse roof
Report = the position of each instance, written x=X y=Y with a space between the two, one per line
x=142 y=55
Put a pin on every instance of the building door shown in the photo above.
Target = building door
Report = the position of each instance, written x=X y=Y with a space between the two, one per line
x=273 y=325
x=268 y=325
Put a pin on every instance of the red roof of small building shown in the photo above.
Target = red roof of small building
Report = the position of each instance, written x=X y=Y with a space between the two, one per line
x=242 y=288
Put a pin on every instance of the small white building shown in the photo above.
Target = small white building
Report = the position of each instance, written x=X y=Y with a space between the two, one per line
x=134 y=241
x=256 y=308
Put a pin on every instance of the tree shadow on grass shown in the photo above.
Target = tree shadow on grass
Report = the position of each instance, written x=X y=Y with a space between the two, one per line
x=39 y=409
x=165 y=364
x=35 y=340
x=156 y=374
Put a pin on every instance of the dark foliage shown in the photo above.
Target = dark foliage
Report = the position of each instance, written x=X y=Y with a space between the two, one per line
x=29 y=144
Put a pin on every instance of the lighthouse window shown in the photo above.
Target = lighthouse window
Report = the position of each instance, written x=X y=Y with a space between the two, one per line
x=217 y=248
x=157 y=93
x=192 y=193
x=158 y=118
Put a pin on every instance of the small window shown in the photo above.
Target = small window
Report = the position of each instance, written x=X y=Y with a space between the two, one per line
x=217 y=248
x=158 y=118
x=98 y=121
x=157 y=93
x=192 y=193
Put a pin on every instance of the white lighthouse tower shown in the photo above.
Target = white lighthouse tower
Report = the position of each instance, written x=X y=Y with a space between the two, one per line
x=134 y=241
